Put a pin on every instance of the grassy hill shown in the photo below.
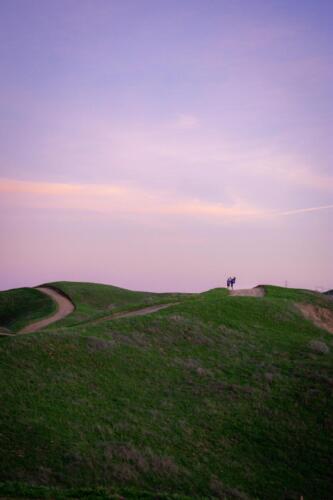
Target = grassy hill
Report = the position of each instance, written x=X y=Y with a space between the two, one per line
x=95 y=300
x=215 y=397
x=22 y=306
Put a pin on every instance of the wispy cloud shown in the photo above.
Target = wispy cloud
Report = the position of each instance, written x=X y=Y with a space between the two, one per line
x=113 y=198
x=122 y=199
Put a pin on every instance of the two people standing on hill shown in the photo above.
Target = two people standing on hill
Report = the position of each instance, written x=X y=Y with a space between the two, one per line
x=231 y=282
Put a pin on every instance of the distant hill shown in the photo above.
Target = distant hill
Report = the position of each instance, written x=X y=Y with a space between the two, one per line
x=21 y=306
x=329 y=292
x=217 y=396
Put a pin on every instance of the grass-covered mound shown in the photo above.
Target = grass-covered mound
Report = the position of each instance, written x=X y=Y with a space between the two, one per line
x=94 y=300
x=295 y=294
x=22 y=306
x=218 y=396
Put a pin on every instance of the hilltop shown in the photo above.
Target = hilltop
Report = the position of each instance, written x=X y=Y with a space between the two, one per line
x=216 y=396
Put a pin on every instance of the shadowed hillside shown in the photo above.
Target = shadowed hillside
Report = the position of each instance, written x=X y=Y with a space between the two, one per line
x=21 y=306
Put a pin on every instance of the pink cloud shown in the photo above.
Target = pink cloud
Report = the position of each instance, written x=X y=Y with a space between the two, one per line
x=122 y=199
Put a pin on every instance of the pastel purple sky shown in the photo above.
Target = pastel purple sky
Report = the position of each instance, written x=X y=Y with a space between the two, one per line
x=163 y=145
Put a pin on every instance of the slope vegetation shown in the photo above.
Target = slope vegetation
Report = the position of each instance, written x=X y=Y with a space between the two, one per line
x=215 y=397
x=22 y=306
x=94 y=300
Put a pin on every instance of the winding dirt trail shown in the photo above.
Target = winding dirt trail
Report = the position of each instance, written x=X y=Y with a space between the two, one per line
x=248 y=292
x=137 y=312
x=65 y=307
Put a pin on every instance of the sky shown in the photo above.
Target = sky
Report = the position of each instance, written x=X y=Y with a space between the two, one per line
x=165 y=145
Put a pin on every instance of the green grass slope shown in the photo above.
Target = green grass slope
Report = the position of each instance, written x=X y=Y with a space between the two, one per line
x=296 y=295
x=93 y=300
x=216 y=397
x=22 y=306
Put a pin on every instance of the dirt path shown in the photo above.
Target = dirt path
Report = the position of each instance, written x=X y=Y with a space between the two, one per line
x=65 y=307
x=248 y=292
x=137 y=312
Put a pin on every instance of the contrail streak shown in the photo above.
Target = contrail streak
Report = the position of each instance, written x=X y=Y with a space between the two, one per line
x=303 y=210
